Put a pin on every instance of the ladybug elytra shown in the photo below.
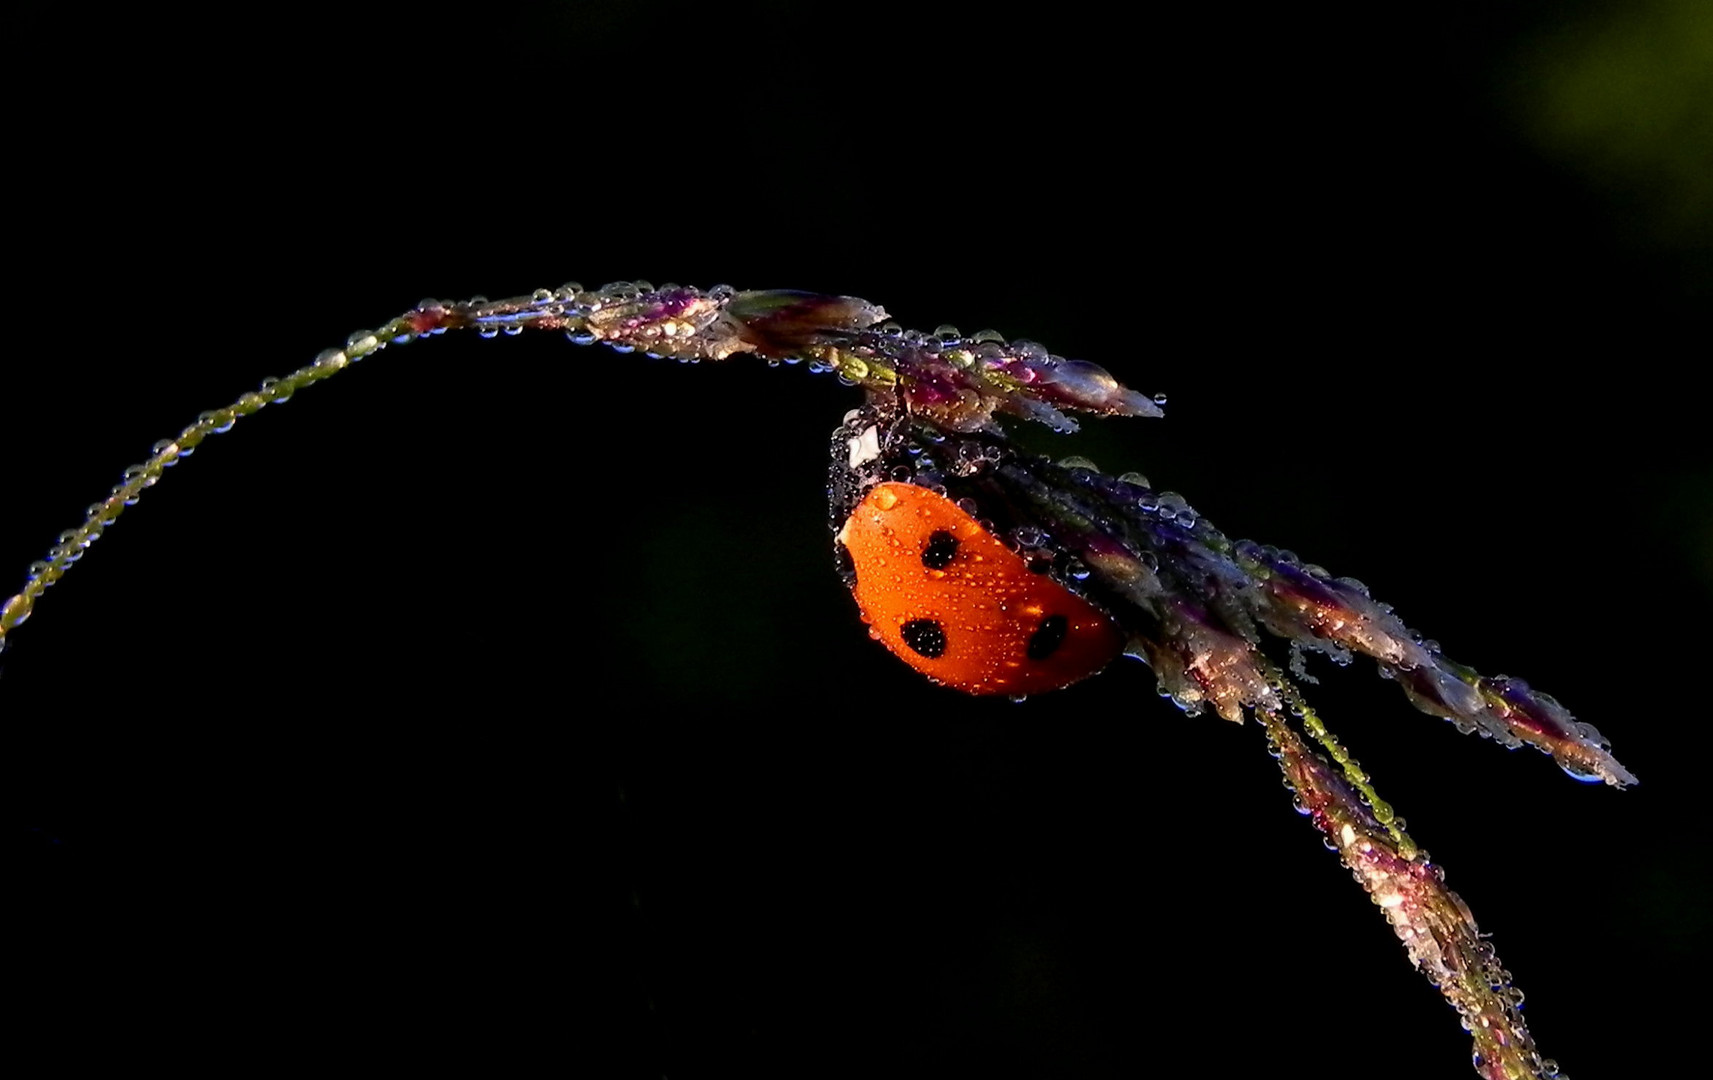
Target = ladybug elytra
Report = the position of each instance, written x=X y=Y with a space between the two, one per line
x=958 y=605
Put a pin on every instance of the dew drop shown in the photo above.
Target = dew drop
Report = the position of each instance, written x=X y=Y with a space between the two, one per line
x=220 y=421
x=277 y=393
x=1578 y=771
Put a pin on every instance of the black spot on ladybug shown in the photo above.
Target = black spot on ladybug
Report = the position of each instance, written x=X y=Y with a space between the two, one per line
x=1047 y=638
x=925 y=637
x=941 y=549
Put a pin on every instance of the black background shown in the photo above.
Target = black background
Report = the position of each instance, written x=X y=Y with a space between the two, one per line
x=497 y=702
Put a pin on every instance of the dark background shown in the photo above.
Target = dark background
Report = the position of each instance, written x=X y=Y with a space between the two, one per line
x=498 y=701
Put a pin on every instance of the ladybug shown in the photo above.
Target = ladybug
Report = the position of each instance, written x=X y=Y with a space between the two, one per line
x=955 y=603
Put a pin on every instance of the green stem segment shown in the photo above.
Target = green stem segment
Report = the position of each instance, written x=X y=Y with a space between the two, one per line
x=1436 y=927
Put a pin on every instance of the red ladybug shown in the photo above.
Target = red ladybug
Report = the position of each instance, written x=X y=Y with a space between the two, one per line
x=958 y=605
